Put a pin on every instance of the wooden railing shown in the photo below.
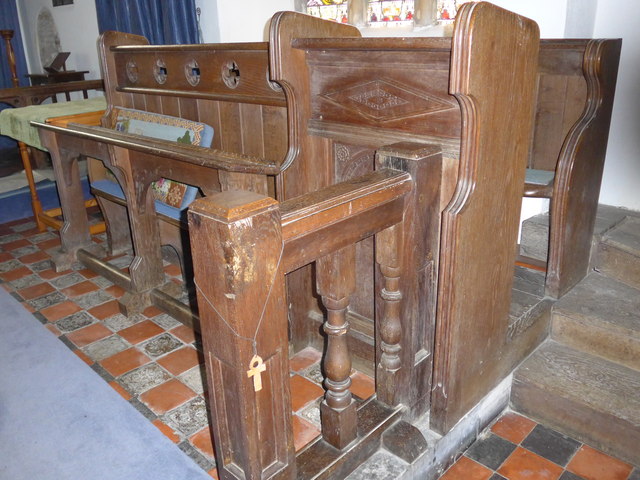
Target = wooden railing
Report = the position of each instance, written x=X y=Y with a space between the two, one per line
x=244 y=245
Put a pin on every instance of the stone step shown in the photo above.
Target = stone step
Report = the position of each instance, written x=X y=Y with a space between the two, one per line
x=534 y=241
x=600 y=316
x=618 y=252
x=584 y=396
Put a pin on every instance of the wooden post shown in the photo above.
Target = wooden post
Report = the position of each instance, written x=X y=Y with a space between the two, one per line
x=336 y=282
x=389 y=257
x=419 y=233
x=11 y=56
x=237 y=245
x=74 y=234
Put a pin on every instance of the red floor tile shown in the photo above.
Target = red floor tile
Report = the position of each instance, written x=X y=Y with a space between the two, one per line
x=60 y=310
x=467 y=469
x=47 y=244
x=203 y=441
x=173 y=270
x=16 y=244
x=304 y=358
x=12 y=275
x=303 y=392
x=106 y=310
x=123 y=393
x=36 y=291
x=303 y=432
x=125 y=361
x=92 y=333
x=592 y=464
x=362 y=385
x=53 y=329
x=83 y=356
x=34 y=257
x=184 y=333
x=5 y=257
x=167 y=430
x=151 y=312
x=181 y=360
x=140 y=332
x=513 y=427
x=525 y=465
x=167 y=396
x=80 y=289
x=86 y=273
x=115 y=291
x=51 y=274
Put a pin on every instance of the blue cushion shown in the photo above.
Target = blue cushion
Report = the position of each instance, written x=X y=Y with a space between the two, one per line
x=539 y=177
x=163 y=127
x=113 y=188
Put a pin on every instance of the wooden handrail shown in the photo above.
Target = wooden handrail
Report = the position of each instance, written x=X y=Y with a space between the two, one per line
x=193 y=154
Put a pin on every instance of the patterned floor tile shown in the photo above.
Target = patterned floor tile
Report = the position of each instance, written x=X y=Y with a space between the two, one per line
x=144 y=378
x=161 y=345
x=188 y=418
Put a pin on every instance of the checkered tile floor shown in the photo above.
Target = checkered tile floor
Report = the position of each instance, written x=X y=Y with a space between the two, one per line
x=155 y=363
x=152 y=360
x=517 y=448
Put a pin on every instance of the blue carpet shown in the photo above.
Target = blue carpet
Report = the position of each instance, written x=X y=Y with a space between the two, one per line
x=16 y=204
x=59 y=420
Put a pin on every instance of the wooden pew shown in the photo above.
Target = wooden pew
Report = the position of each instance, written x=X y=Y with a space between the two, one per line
x=576 y=86
x=353 y=97
x=225 y=86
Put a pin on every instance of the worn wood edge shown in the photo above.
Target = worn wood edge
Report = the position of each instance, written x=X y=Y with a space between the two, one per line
x=439 y=44
x=197 y=47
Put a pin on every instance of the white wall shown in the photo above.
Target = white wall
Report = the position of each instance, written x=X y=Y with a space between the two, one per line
x=242 y=20
x=621 y=181
x=77 y=26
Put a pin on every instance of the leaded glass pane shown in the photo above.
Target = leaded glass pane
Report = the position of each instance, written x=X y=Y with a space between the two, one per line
x=390 y=12
x=447 y=9
x=335 y=10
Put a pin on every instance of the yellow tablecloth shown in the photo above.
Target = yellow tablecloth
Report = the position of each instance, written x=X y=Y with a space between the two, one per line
x=15 y=122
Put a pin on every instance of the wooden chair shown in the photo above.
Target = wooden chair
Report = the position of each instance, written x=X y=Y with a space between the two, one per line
x=576 y=87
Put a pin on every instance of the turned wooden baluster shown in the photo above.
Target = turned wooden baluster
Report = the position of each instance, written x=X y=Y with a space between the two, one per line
x=389 y=257
x=11 y=57
x=336 y=282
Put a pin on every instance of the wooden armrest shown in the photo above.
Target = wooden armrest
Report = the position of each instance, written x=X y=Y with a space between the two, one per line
x=209 y=157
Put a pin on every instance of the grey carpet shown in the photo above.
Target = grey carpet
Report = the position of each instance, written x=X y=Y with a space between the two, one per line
x=59 y=420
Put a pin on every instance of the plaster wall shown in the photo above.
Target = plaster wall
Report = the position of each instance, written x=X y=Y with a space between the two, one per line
x=621 y=181
x=77 y=26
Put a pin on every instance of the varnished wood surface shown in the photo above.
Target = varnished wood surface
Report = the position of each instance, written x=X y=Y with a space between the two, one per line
x=480 y=224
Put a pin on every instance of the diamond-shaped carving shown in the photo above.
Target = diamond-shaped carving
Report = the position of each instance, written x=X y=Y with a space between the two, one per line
x=383 y=100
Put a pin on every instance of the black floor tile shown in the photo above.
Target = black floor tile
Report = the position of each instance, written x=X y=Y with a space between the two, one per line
x=569 y=476
x=551 y=445
x=635 y=475
x=497 y=476
x=491 y=451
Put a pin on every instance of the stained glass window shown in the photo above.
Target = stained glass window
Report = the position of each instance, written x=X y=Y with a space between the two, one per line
x=447 y=9
x=335 y=10
x=390 y=12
